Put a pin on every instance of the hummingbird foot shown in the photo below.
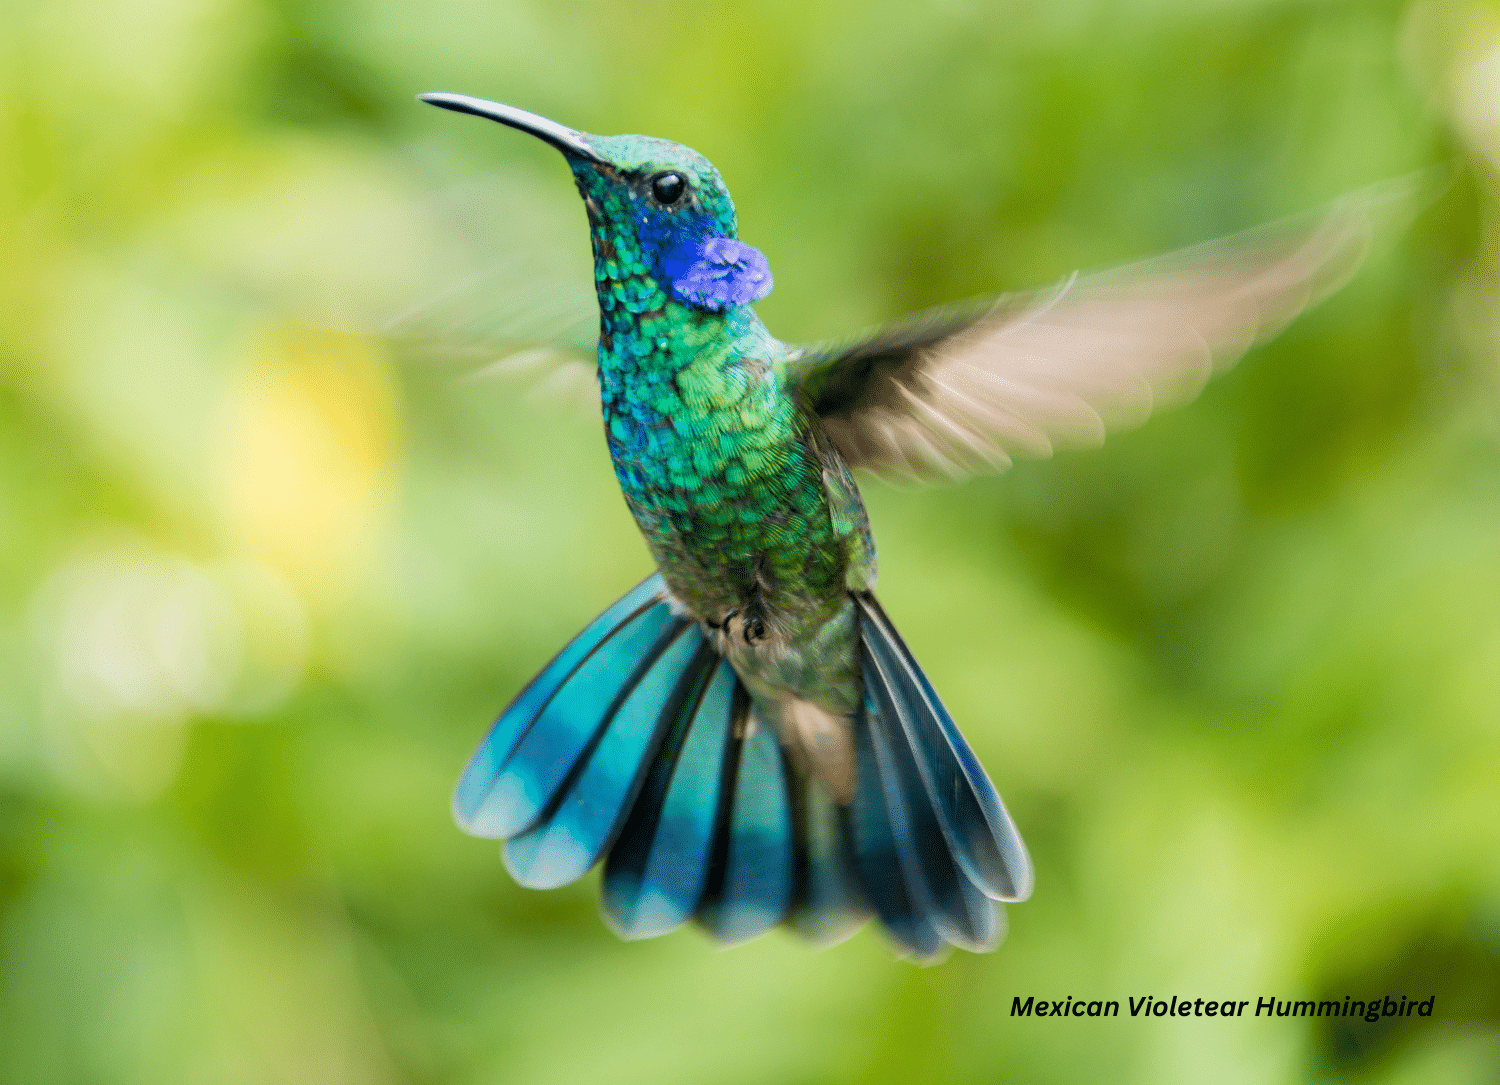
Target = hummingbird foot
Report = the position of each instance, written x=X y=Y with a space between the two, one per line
x=752 y=624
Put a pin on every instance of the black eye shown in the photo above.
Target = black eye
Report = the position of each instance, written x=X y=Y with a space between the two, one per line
x=668 y=187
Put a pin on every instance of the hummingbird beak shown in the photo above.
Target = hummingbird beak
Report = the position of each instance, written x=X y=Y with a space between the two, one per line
x=571 y=143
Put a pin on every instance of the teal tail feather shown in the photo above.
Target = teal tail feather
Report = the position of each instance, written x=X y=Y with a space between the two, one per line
x=631 y=746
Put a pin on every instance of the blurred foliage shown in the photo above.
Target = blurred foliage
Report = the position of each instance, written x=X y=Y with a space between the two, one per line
x=266 y=572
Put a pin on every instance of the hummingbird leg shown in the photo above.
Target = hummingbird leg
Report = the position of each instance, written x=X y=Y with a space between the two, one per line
x=753 y=625
x=752 y=620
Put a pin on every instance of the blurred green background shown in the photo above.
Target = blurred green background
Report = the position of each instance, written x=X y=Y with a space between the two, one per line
x=267 y=570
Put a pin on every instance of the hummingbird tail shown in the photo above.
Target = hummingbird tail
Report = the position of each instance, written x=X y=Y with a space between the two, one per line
x=933 y=843
x=636 y=744
x=566 y=758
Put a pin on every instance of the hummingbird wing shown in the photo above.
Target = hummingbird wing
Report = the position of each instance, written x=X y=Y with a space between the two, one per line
x=506 y=323
x=957 y=390
x=420 y=275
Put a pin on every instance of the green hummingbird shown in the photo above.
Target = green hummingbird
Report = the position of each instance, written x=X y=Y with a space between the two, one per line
x=744 y=738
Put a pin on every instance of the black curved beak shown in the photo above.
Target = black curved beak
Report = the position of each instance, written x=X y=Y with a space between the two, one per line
x=571 y=143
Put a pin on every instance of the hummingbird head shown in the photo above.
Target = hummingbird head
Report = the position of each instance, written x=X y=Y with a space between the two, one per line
x=658 y=211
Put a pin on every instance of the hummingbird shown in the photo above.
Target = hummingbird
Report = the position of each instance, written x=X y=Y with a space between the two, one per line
x=744 y=739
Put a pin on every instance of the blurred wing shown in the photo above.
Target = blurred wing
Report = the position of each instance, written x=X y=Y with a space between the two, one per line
x=507 y=323
x=499 y=312
x=460 y=278
x=959 y=390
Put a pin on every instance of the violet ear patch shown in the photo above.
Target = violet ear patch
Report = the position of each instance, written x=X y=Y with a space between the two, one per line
x=716 y=272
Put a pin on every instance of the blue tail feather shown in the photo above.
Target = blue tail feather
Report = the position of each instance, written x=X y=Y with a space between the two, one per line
x=877 y=846
x=564 y=845
x=752 y=889
x=632 y=745
x=571 y=721
x=983 y=838
x=957 y=909
x=654 y=877
x=476 y=785
x=830 y=905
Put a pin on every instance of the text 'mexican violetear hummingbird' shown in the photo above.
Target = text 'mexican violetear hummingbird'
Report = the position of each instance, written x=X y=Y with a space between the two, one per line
x=744 y=738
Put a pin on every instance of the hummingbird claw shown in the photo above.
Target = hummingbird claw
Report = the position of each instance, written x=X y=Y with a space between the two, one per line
x=752 y=627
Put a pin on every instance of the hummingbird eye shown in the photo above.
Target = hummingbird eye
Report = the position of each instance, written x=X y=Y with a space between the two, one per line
x=668 y=187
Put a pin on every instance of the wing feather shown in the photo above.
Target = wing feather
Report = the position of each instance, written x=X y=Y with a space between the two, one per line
x=958 y=390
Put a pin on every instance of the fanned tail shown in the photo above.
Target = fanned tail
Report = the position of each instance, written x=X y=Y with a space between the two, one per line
x=636 y=745
x=934 y=842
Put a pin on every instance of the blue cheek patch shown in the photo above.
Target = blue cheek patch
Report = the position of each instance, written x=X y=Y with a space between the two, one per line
x=716 y=272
